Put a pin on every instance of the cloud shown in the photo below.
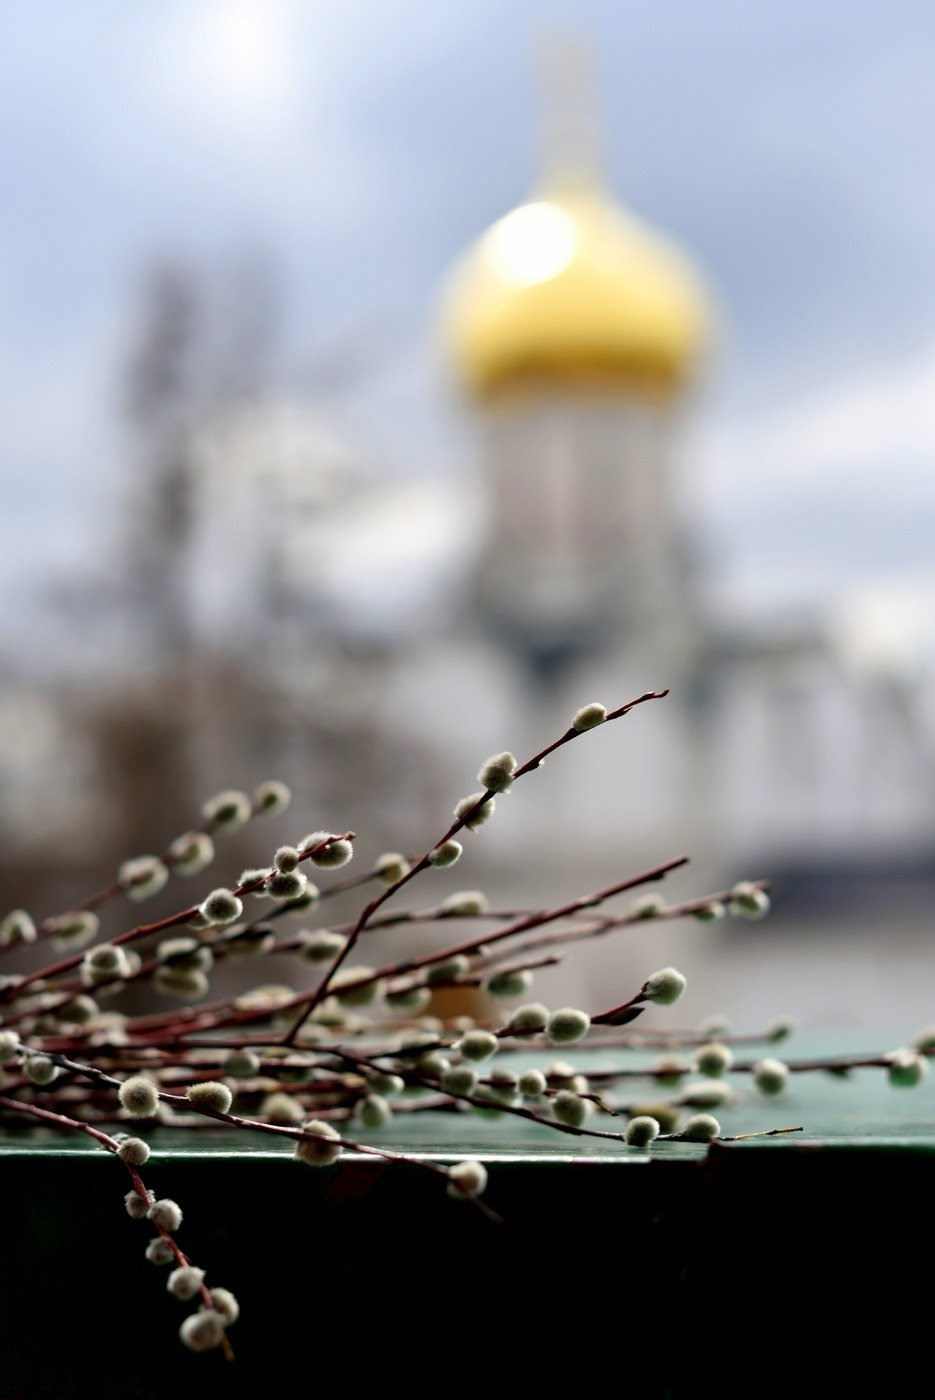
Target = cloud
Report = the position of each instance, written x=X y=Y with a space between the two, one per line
x=877 y=426
x=827 y=502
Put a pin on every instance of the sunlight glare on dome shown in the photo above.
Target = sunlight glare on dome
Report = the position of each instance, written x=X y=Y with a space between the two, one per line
x=533 y=243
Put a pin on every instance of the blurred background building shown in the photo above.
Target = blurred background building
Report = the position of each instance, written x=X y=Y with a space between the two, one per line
x=275 y=588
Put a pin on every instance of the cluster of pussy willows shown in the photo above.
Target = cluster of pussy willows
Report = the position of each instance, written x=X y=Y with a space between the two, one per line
x=350 y=1047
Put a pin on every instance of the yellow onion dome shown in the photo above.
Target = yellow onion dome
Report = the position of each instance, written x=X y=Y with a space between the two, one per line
x=572 y=289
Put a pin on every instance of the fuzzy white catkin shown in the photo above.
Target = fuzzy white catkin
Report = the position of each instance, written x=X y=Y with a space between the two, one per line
x=343 y=988
x=448 y=970
x=701 y=1128
x=713 y=1060
x=589 y=716
x=906 y=1069
x=254 y=877
x=185 y=954
x=271 y=797
x=459 y=1079
x=706 y=1093
x=136 y=1207
x=749 y=902
x=477 y=1046
x=648 y=906
x=664 y=987
x=567 y=1025
x=228 y=810
x=388 y=1086
x=530 y=1019
x=502 y=1086
x=433 y=1064
x=9 y=1046
x=509 y=983
x=226 y=1304
x=40 y=1069
x=249 y=940
x=448 y=853
x=222 y=907
x=75 y=929
x=202 y=1331
x=286 y=859
x=185 y=1282
x=710 y=913
x=476 y=819
x=142 y=877
x=106 y=959
x=641 y=1130
x=559 y=1074
x=770 y=1076
x=286 y=885
x=211 y=1094
x=322 y=946
x=191 y=853
x=413 y=999
x=293 y=1069
x=159 y=1251
x=166 y=1214
x=320 y=1149
x=531 y=1083
x=79 y=1010
x=375 y=1112
x=17 y=927
x=496 y=773
x=177 y=982
x=924 y=1039
x=467 y=1179
x=242 y=1063
x=138 y=1095
x=330 y=857
x=133 y=1151
x=280 y=1108
x=391 y=867
x=464 y=903
x=569 y=1109
x=781 y=1030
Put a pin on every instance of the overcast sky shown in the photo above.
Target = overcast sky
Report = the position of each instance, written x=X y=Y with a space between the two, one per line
x=363 y=144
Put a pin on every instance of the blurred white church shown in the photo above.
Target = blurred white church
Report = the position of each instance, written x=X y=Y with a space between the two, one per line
x=446 y=618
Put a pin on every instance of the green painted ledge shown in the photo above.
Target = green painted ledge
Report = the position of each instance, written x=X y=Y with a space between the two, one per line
x=366 y=1276
x=861 y=1112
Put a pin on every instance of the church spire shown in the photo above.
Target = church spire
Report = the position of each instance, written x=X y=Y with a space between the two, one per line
x=569 y=132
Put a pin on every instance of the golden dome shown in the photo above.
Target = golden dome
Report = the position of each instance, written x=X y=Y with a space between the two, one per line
x=571 y=288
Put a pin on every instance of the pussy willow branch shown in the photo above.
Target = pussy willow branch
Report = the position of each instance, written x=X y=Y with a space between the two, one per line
x=736 y=1137
x=219 y=946
x=412 y=1076
x=66 y=1124
x=296 y=1134
x=113 y=891
x=474 y=1101
x=314 y=998
x=211 y=1016
x=140 y=931
x=467 y=947
x=199 y=1016
x=595 y=927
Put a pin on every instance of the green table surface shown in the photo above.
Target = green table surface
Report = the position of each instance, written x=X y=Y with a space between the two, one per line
x=365 y=1276
x=860 y=1111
